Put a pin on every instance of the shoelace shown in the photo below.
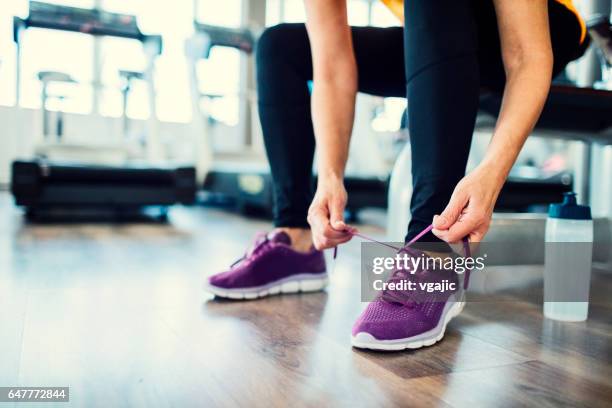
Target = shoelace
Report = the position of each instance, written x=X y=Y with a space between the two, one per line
x=466 y=248
x=261 y=240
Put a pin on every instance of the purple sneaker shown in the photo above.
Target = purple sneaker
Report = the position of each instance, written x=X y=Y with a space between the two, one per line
x=271 y=267
x=399 y=320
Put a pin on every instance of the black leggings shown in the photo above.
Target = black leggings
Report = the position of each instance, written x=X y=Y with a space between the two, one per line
x=447 y=51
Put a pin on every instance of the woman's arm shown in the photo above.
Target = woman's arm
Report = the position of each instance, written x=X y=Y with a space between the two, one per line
x=528 y=61
x=333 y=109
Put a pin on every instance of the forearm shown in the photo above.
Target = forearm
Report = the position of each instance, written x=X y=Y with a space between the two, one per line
x=528 y=60
x=333 y=109
x=526 y=91
x=335 y=84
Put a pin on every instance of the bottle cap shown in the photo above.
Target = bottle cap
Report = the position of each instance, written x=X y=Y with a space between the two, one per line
x=569 y=209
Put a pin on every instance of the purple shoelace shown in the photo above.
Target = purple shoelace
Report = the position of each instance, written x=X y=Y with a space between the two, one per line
x=466 y=247
x=261 y=240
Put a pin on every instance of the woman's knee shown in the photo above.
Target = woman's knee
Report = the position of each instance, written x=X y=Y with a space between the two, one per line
x=275 y=40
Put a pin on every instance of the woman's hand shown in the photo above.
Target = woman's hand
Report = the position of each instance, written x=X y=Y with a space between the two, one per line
x=326 y=215
x=468 y=214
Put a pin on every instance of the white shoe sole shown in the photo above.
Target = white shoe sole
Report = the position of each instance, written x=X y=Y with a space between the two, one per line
x=304 y=282
x=365 y=340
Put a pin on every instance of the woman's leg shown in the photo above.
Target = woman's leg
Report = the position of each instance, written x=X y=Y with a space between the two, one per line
x=442 y=89
x=284 y=67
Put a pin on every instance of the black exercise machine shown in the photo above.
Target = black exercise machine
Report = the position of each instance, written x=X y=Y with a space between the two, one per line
x=76 y=192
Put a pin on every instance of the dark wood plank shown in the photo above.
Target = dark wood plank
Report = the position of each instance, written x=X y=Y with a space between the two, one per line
x=529 y=384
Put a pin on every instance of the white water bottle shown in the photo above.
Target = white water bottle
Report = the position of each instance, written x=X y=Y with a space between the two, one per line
x=568 y=260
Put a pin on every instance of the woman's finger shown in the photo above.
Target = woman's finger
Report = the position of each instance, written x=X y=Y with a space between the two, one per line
x=467 y=223
x=336 y=215
x=326 y=230
x=322 y=242
x=451 y=213
x=319 y=222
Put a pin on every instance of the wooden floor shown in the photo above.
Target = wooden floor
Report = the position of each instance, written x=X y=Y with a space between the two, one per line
x=117 y=313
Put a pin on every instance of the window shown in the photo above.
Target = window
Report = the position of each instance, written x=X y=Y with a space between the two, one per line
x=229 y=14
x=273 y=12
x=220 y=74
x=7 y=49
x=294 y=11
x=50 y=50
x=45 y=50
x=171 y=80
x=219 y=77
x=120 y=54
x=358 y=12
x=382 y=17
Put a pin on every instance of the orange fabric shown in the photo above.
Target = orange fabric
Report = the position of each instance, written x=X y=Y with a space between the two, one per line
x=569 y=4
x=397 y=8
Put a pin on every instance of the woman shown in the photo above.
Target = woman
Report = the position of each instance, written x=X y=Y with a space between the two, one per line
x=446 y=51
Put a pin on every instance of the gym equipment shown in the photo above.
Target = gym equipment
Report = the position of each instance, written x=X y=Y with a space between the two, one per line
x=73 y=191
x=600 y=31
x=48 y=186
x=128 y=77
x=48 y=77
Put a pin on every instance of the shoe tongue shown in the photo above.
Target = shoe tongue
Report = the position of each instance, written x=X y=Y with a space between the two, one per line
x=280 y=236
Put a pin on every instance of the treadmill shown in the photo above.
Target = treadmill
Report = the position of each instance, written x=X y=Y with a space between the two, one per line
x=47 y=187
